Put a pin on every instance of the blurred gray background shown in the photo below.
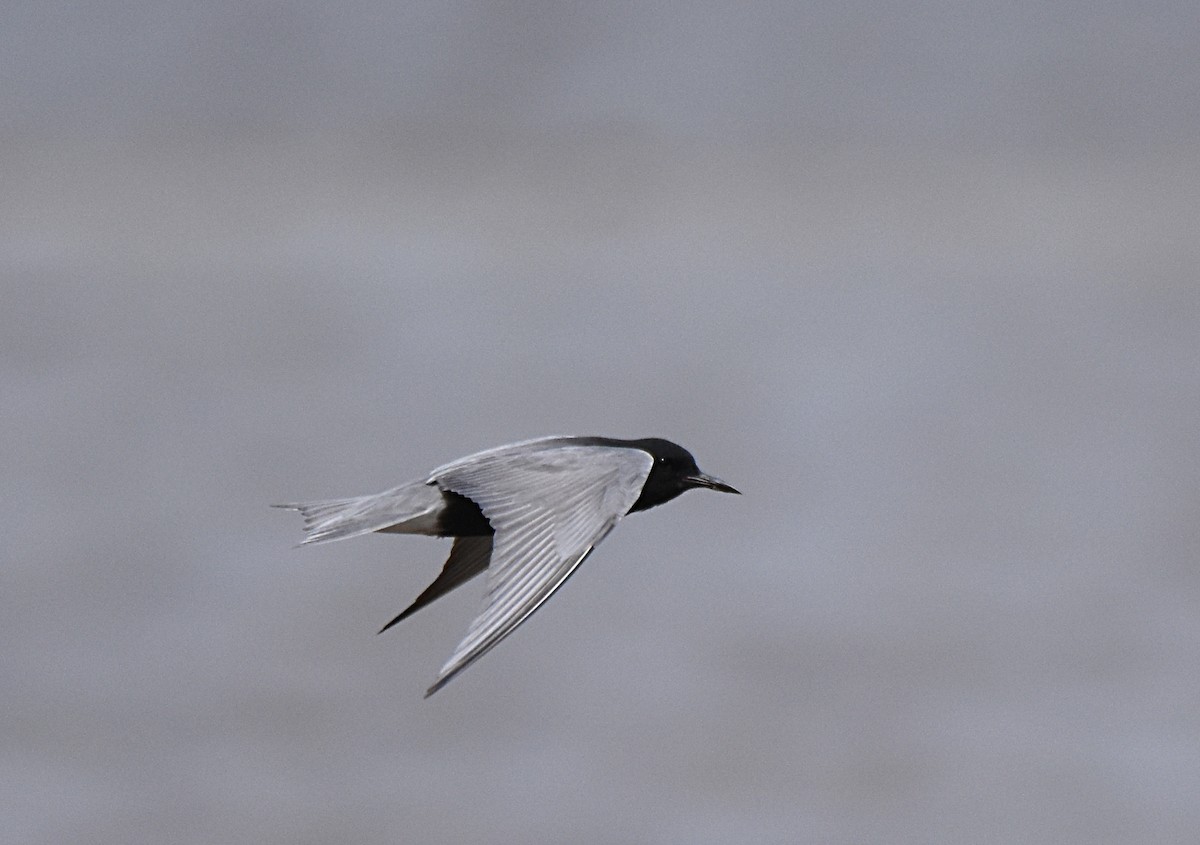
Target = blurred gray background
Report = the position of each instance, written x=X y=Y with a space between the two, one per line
x=919 y=278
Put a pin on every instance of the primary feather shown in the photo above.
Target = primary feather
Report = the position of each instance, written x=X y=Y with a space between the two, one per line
x=549 y=507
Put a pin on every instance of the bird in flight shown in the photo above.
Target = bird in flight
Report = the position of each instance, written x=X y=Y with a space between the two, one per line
x=529 y=513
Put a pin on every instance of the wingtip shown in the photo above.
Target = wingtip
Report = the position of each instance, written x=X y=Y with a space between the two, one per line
x=390 y=624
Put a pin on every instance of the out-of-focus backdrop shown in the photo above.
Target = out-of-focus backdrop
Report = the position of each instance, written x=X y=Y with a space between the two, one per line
x=920 y=278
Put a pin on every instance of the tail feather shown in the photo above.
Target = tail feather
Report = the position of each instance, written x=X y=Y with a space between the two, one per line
x=331 y=519
x=412 y=508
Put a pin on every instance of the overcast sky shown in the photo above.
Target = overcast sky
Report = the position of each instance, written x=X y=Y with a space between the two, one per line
x=1017 y=75
x=919 y=279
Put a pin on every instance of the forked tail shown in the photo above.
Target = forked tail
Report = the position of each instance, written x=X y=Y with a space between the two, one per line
x=411 y=508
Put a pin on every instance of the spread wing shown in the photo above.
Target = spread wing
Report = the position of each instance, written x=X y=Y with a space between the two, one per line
x=468 y=557
x=549 y=504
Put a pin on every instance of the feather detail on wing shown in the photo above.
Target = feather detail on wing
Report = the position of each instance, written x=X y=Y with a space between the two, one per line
x=550 y=505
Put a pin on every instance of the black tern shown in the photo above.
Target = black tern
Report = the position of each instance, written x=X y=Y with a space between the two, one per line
x=529 y=513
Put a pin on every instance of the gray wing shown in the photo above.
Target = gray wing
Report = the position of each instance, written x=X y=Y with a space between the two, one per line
x=549 y=504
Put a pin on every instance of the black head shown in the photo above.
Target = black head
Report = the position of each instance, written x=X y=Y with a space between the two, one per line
x=673 y=472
